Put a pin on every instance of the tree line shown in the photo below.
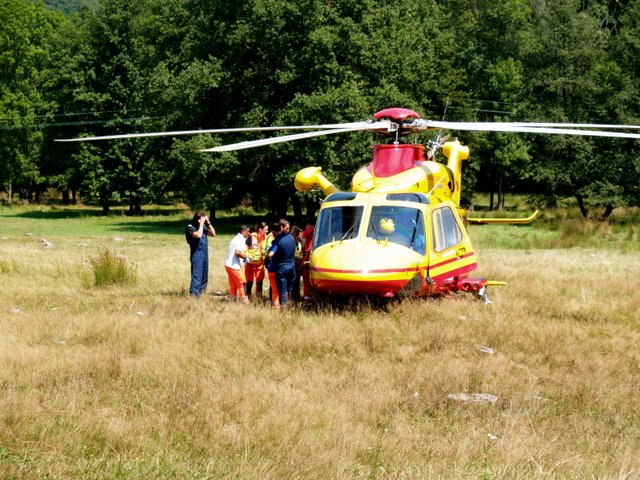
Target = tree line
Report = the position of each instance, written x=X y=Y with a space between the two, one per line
x=125 y=67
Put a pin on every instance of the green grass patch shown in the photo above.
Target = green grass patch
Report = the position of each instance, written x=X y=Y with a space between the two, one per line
x=110 y=268
x=144 y=382
x=51 y=221
x=562 y=228
x=555 y=228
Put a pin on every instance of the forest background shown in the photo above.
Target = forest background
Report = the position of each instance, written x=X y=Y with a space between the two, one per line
x=113 y=66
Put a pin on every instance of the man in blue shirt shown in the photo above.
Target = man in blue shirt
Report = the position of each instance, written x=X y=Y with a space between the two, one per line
x=282 y=261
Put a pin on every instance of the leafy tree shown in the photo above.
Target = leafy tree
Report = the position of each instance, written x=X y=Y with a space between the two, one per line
x=572 y=79
x=26 y=29
x=109 y=75
x=312 y=62
x=489 y=54
x=208 y=181
x=71 y=6
x=181 y=64
x=623 y=79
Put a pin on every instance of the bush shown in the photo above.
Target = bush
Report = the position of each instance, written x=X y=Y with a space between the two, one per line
x=111 y=268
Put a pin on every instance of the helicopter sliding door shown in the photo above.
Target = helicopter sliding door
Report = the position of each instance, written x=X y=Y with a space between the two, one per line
x=452 y=255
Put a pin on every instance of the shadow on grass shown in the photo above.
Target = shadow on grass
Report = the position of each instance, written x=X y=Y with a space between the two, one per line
x=71 y=212
x=156 y=227
x=224 y=225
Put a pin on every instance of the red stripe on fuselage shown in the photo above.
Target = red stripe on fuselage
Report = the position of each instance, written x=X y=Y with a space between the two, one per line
x=390 y=270
x=358 y=287
x=365 y=270
x=454 y=273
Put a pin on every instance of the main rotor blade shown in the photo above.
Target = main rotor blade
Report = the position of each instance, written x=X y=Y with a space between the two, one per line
x=214 y=130
x=380 y=126
x=498 y=127
x=599 y=126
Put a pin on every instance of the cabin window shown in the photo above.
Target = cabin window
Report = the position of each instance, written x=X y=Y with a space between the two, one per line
x=446 y=231
x=337 y=223
x=340 y=196
x=409 y=197
x=401 y=225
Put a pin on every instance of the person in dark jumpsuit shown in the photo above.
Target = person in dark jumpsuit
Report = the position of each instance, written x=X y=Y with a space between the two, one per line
x=196 y=234
x=282 y=254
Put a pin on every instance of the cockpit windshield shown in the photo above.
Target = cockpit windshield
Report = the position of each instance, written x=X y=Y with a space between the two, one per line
x=401 y=225
x=337 y=223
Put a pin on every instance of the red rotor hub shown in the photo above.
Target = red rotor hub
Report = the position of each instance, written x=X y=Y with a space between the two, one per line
x=396 y=114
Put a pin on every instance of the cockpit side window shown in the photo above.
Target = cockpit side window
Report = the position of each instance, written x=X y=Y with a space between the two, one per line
x=401 y=225
x=337 y=223
x=446 y=231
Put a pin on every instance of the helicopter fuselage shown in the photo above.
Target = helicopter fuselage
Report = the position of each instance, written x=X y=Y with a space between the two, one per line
x=390 y=244
x=399 y=231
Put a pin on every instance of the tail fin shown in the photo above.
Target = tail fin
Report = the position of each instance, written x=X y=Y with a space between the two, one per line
x=455 y=153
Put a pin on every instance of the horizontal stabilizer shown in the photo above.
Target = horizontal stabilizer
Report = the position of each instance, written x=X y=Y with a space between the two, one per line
x=506 y=221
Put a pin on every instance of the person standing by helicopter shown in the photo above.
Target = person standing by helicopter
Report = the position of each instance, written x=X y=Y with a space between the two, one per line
x=254 y=268
x=295 y=289
x=236 y=254
x=269 y=238
x=196 y=234
x=282 y=263
x=306 y=239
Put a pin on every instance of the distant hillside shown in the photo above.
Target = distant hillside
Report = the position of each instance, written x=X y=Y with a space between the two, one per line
x=70 y=6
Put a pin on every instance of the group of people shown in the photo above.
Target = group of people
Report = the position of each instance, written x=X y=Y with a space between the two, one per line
x=280 y=252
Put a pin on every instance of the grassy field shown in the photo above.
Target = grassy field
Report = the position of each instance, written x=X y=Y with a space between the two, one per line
x=140 y=381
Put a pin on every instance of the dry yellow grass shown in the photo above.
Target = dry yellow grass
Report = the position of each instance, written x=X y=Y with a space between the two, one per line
x=143 y=382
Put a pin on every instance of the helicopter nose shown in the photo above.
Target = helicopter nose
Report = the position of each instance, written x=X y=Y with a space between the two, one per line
x=371 y=267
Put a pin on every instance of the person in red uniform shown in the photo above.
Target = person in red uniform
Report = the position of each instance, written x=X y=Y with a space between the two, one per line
x=306 y=239
x=295 y=290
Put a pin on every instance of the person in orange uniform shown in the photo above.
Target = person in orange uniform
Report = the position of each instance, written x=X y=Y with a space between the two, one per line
x=254 y=268
x=233 y=264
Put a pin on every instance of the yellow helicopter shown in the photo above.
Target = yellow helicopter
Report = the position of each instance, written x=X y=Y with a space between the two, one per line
x=400 y=230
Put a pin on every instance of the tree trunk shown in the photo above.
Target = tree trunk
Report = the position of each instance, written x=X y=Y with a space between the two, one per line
x=279 y=204
x=607 y=211
x=135 y=209
x=581 y=206
x=500 y=195
x=104 y=201
x=212 y=213
x=311 y=208
x=491 y=200
x=297 y=210
x=10 y=192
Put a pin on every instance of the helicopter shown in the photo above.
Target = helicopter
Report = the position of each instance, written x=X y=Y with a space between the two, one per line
x=400 y=230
